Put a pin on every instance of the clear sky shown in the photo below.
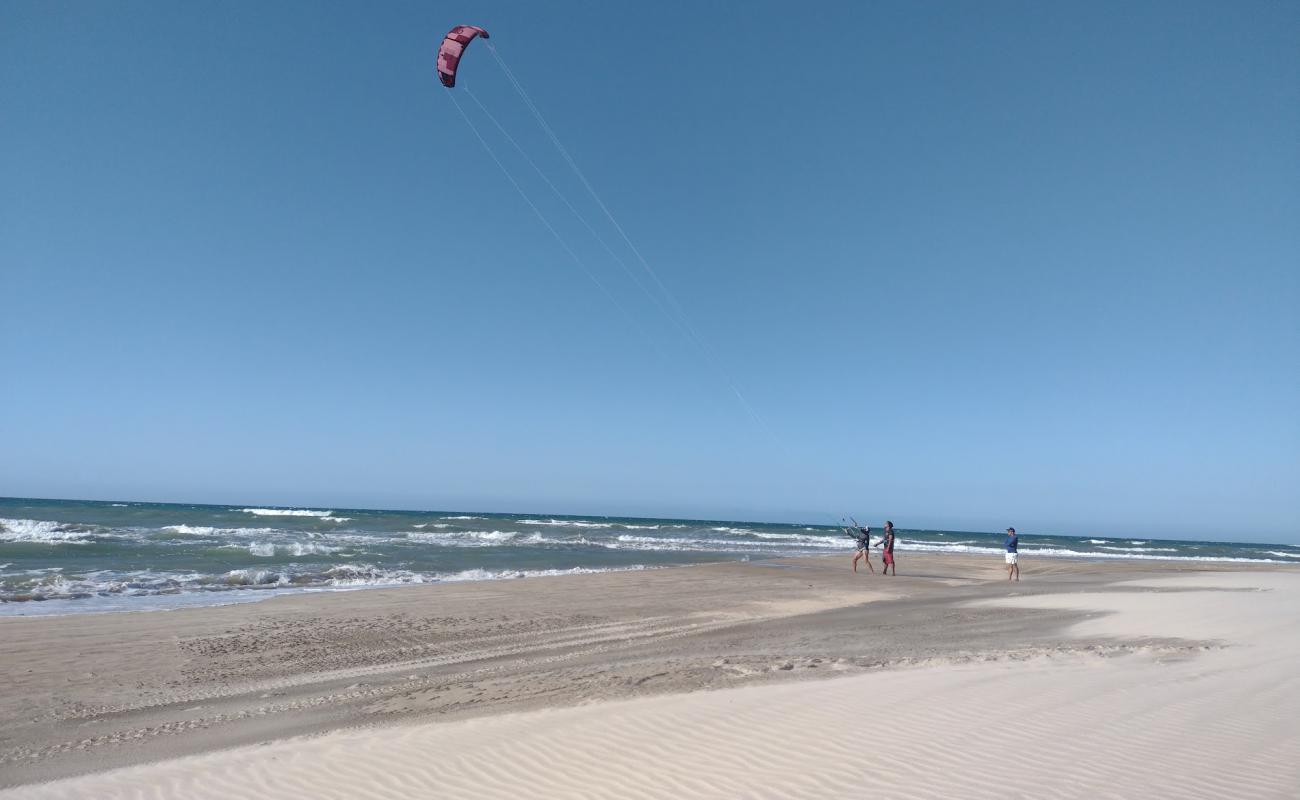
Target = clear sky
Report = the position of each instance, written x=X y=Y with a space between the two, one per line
x=973 y=264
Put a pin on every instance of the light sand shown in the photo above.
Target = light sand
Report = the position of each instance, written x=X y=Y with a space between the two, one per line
x=1179 y=683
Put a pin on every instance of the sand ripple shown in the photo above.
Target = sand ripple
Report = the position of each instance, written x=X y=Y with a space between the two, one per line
x=1065 y=726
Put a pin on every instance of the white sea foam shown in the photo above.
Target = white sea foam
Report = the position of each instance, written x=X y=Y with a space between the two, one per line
x=192 y=530
x=266 y=549
x=52 y=584
x=463 y=516
x=1134 y=541
x=1142 y=549
x=255 y=577
x=39 y=531
x=1281 y=554
x=103 y=592
x=566 y=523
x=358 y=575
x=206 y=530
x=486 y=538
x=493 y=575
x=1099 y=541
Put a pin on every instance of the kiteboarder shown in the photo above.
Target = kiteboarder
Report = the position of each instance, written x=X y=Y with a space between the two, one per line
x=863 y=537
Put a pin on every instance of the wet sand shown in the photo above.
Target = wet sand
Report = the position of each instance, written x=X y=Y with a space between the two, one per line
x=90 y=693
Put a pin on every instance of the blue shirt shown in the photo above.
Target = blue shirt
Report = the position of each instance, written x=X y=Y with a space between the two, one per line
x=1011 y=544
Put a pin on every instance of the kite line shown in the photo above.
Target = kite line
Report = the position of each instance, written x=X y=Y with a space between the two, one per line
x=680 y=318
x=547 y=224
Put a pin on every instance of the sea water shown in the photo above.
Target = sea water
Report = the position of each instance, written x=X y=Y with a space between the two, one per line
x=62 y=556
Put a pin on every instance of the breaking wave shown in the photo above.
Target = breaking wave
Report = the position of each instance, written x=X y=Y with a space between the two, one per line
x=476 y=538
x=266 y=549
x=38 y=587
x=46 y=532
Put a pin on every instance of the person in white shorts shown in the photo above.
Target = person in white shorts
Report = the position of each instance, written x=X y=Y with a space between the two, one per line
x=863 y=538
x=1013 y=565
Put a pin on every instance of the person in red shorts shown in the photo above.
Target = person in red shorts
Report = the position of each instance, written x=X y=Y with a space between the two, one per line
x=887 y=549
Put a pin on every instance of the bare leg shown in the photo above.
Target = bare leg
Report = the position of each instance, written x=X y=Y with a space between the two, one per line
x=1016 y=567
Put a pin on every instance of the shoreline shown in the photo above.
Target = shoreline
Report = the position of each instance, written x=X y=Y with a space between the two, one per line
x=117 y=690
x=73 y=557
x=11 y=608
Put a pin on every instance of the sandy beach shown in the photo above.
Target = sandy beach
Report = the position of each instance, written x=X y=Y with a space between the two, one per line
x=790 y=678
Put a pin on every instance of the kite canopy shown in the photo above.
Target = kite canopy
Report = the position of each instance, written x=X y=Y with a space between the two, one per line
x=453 y=47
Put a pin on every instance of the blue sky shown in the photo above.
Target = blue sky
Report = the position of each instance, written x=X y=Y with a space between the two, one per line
x=972 y=264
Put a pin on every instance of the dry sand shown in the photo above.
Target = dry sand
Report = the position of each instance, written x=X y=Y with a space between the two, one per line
x=1115 y=679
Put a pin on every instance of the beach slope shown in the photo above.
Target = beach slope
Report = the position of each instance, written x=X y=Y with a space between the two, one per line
x=1088 y=680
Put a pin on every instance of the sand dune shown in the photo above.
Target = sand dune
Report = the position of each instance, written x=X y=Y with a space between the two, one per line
x=1162 y=720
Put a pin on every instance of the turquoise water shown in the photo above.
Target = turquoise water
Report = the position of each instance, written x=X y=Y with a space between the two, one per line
x=60 y=556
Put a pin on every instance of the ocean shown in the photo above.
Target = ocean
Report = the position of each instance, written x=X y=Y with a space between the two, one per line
x=66 y=556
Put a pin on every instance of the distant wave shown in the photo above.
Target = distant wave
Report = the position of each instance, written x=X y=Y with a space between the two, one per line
x=1058 y=551
x=798 y=537
x=566 y=523
x=287 y=512
x=323 y=516
x=673 y=543
x=946 y=547
x=462 y=517
x=1283 y=555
